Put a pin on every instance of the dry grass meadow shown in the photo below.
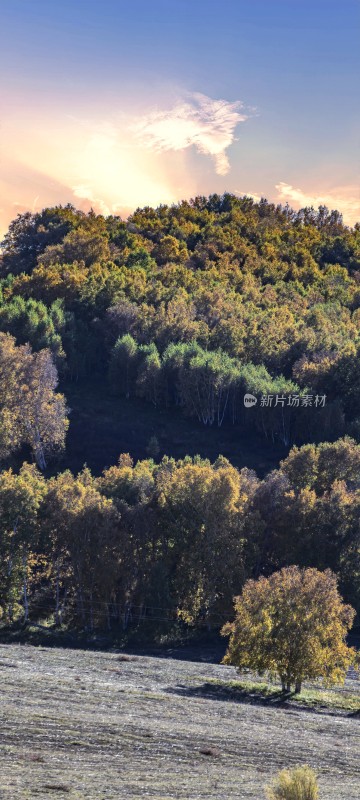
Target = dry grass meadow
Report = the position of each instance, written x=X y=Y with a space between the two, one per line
x=109 y=726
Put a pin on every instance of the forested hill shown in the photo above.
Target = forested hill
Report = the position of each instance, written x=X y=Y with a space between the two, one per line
x=175 y=315
x=192 y=305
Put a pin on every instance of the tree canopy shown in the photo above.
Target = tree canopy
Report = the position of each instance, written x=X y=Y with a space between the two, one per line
x=180 y=310
x=292 y=625
x=268 y=296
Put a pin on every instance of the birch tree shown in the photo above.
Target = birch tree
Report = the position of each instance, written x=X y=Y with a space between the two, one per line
x=31 y=411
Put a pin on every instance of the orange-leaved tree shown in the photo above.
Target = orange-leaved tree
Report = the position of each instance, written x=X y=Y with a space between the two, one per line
x=292 y=626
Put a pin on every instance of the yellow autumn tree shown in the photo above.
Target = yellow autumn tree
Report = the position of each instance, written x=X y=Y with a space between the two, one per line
x=86 y=549
x=21 y=498
x=31 y=411
x=292 y=626
x=201 y=511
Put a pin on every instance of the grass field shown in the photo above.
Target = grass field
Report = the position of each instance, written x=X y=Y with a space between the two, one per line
x=110 y=726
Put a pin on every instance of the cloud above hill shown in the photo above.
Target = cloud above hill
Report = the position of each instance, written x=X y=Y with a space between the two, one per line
x=345 y=199
x=208 y=125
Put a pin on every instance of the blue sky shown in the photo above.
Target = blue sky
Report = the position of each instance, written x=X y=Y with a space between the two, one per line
x=117 y=104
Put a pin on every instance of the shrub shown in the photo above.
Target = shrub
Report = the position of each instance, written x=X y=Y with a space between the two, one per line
x=299 y=783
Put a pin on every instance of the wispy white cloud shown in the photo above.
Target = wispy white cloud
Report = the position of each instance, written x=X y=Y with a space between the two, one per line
x=207 y=124
x=345 y=199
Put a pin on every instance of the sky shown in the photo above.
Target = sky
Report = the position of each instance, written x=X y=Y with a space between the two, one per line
x=124 y=103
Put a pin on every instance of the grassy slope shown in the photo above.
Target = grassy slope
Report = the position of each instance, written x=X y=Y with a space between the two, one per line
x=311 y=697
x=103 y=426
x=99 y=725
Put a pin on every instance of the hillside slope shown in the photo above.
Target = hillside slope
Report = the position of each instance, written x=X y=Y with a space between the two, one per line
x=99 y=725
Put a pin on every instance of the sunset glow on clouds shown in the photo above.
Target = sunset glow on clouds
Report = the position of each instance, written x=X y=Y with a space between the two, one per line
x=118 y=165
x=90 y=164
x=344 y=198
x=136 y=104
x=130 y=161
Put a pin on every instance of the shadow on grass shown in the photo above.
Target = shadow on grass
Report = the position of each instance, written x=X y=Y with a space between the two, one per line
x=202 y=649
x=235 y=694
x=268 y=697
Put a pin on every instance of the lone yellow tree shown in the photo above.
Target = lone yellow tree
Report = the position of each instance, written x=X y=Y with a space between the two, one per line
x=292 y=626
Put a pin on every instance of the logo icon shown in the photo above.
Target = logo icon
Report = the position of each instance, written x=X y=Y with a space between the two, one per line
x=249 y=400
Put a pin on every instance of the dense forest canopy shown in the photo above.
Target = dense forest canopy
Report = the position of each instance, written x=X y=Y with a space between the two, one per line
x=174 y=539
x=189 y=307
x=220 y=293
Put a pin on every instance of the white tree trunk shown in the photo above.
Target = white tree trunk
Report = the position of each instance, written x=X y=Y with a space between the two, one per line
x=25 y=589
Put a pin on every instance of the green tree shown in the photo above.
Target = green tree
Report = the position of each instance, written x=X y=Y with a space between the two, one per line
x=30 y=234
x=123 y=364
x=148 y=381
x=87 y=243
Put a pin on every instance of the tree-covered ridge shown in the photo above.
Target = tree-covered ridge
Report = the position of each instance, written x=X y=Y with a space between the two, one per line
x=175 y=539
x=188 y=307
x=246 y=288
